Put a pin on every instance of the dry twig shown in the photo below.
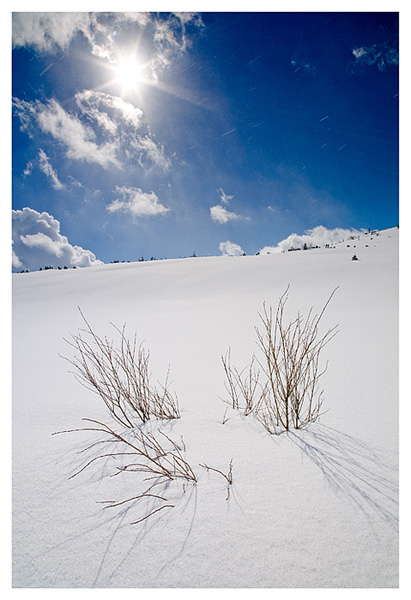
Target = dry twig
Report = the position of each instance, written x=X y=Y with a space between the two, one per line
x=228 y=477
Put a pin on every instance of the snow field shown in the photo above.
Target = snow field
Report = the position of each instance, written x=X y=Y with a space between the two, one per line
x=317 y=508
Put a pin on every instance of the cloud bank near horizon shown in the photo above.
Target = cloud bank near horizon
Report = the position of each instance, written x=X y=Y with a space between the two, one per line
x=37 y=242
x=318 y=236
x=230 y=249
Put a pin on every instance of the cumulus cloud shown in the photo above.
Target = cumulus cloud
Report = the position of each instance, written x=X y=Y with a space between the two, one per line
x=15 y=261
x=37 y=242
x=381 y=55
x=137 y=203
x=221 y=215
x=104 y=130
x=48 y=170
x=230 y=249
x=319 y=236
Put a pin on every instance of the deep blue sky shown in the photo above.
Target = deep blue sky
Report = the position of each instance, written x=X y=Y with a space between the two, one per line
x=243 y=126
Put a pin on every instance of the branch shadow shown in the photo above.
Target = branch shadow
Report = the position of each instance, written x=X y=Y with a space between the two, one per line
x=363 y=475
x=111 y=562
x=114 y=521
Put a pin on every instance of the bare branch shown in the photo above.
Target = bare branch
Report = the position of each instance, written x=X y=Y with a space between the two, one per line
x=152 y=513
x=228 y=477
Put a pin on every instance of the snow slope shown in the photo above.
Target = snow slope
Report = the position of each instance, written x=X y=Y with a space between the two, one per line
x=317 y=508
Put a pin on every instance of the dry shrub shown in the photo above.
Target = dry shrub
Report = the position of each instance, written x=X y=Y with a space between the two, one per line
x=281 y=386
x=121 y=377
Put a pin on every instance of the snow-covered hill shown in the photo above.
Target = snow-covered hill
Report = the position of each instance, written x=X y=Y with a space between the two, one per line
x=313 y=508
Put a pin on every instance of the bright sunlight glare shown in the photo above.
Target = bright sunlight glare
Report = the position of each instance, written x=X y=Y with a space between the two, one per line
x=128 y=73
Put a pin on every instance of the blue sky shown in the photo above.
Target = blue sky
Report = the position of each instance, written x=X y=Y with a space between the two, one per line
x=165 y=134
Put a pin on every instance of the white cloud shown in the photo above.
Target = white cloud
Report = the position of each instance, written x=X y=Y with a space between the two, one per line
x=48 y=170
x=107 y=110
x=116 y=124
x=122 y=121
x=171 y=38
x=29 y=167
x=189 y=17
x=319 y=236
x=67 y=128
x=147 y=148
x=26 y=111
x=359 y=52
x=381 y=56
x=137 y=203
x=230 y=249
x=15 y=261
x=37 y=242
x=219 y=214
x=225 y=198
x=78 y=138
x=222 y=215
x=47 y=31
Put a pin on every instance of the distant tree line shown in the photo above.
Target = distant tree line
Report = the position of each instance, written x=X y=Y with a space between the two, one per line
x=47 y=268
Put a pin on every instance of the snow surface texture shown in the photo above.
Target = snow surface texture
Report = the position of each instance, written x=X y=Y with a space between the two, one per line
x=313 y=508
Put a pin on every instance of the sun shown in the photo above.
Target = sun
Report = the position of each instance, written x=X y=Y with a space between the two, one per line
x=128 y=74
